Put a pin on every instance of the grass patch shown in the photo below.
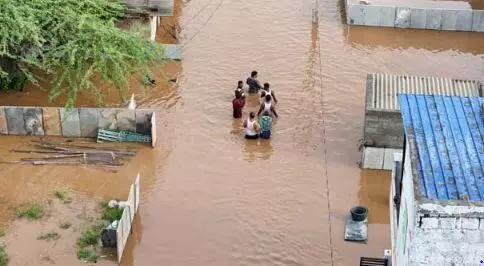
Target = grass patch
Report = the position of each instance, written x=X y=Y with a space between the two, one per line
x=86 y=255
x=111 y=214
x=49 y=236
x=91 y=236
x=3 y=257
x=64 y=196
x=32 y=212
x=88 y=243
x=65 y=225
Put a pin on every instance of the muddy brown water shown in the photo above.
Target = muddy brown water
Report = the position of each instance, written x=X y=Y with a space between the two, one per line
x=209 y=197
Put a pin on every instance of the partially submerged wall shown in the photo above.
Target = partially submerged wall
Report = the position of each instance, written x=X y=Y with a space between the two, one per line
x=77 y=122
x=401 y=15
x=125 y=223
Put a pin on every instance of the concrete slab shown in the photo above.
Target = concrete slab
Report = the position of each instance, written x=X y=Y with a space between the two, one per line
x=89 y=120
x=143 y=121
x=449 y=20
x=356 y=230
x=52 y=121
x=33 y=121
x=417 y=18
x=372 y=15
x=107 y=119
x=433 y=19
x=70 y=123
x=3 y=122
x=478 y=20
x=387 y=16
x=373 y=158
x=356 y=14
x=464 y=20
x=172 y=52
x=389 y=158
x=15 y=120
x=403 y=17
x=126 y=120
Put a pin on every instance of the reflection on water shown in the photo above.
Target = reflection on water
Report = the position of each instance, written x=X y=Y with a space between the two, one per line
x=373 y=193
x=395 y=38
x=258 y=149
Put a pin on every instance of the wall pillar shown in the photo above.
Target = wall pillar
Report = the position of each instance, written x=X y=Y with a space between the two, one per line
x=154 y=26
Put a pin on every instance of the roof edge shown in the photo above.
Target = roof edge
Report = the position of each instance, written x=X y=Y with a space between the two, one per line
x=451 y=208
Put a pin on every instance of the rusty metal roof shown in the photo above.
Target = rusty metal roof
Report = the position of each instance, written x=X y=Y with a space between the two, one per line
x=445 y=137
x=162 y=8
x=385 y=87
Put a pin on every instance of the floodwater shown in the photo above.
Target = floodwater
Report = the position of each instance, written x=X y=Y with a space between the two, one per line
x=209 y=197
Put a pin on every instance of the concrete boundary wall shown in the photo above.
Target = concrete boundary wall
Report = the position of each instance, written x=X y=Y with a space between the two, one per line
x=125 y=223
x=415 y=18
x=77 y=122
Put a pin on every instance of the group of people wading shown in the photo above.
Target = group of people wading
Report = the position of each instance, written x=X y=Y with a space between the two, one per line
x=262 y=127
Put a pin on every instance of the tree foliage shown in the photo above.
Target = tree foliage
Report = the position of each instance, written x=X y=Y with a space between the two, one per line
x=73 y=41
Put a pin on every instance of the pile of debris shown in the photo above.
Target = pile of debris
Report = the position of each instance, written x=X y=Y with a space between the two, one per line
x=70 y=154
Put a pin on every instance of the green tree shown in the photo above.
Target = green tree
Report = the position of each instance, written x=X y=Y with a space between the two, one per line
x=74 y=42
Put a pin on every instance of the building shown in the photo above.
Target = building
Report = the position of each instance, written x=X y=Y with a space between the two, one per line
x=383 y=128
x=437 y=193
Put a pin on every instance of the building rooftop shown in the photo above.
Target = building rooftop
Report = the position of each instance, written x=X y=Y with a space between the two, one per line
x=445 y=137
x=382 y=89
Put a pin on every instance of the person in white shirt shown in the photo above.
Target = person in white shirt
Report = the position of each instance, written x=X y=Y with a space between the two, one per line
x=267 y=91
x=252 y=127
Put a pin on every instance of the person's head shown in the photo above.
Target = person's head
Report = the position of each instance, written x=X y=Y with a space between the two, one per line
x=240 y=84
x=252 y=115
x=268 y=98
x=253 y=74
x=266 y=86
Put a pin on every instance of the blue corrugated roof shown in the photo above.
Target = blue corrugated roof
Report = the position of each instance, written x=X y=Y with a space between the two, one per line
x=445 y=135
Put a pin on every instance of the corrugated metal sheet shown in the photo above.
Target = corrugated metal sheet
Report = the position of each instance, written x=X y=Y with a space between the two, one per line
x=385 y=88
x=160 y=8
x=445 y=136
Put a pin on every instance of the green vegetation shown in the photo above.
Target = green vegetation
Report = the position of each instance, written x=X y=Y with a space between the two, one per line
x=3 y=257
x=88 y=248
x=87 y=255
x=91 y=236
x=49 y=236
x=65 y=225
x=112 y=214
x=63 y=196
x=33 y=212
x=74 y=43
x=86 y=244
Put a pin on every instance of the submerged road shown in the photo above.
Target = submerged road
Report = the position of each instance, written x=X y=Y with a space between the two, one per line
x=221 y=200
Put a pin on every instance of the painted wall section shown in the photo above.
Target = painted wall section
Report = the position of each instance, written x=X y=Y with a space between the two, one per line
x=78 y=122
x=408 y=214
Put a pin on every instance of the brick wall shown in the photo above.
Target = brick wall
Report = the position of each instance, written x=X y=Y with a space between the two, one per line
x=448 y=241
